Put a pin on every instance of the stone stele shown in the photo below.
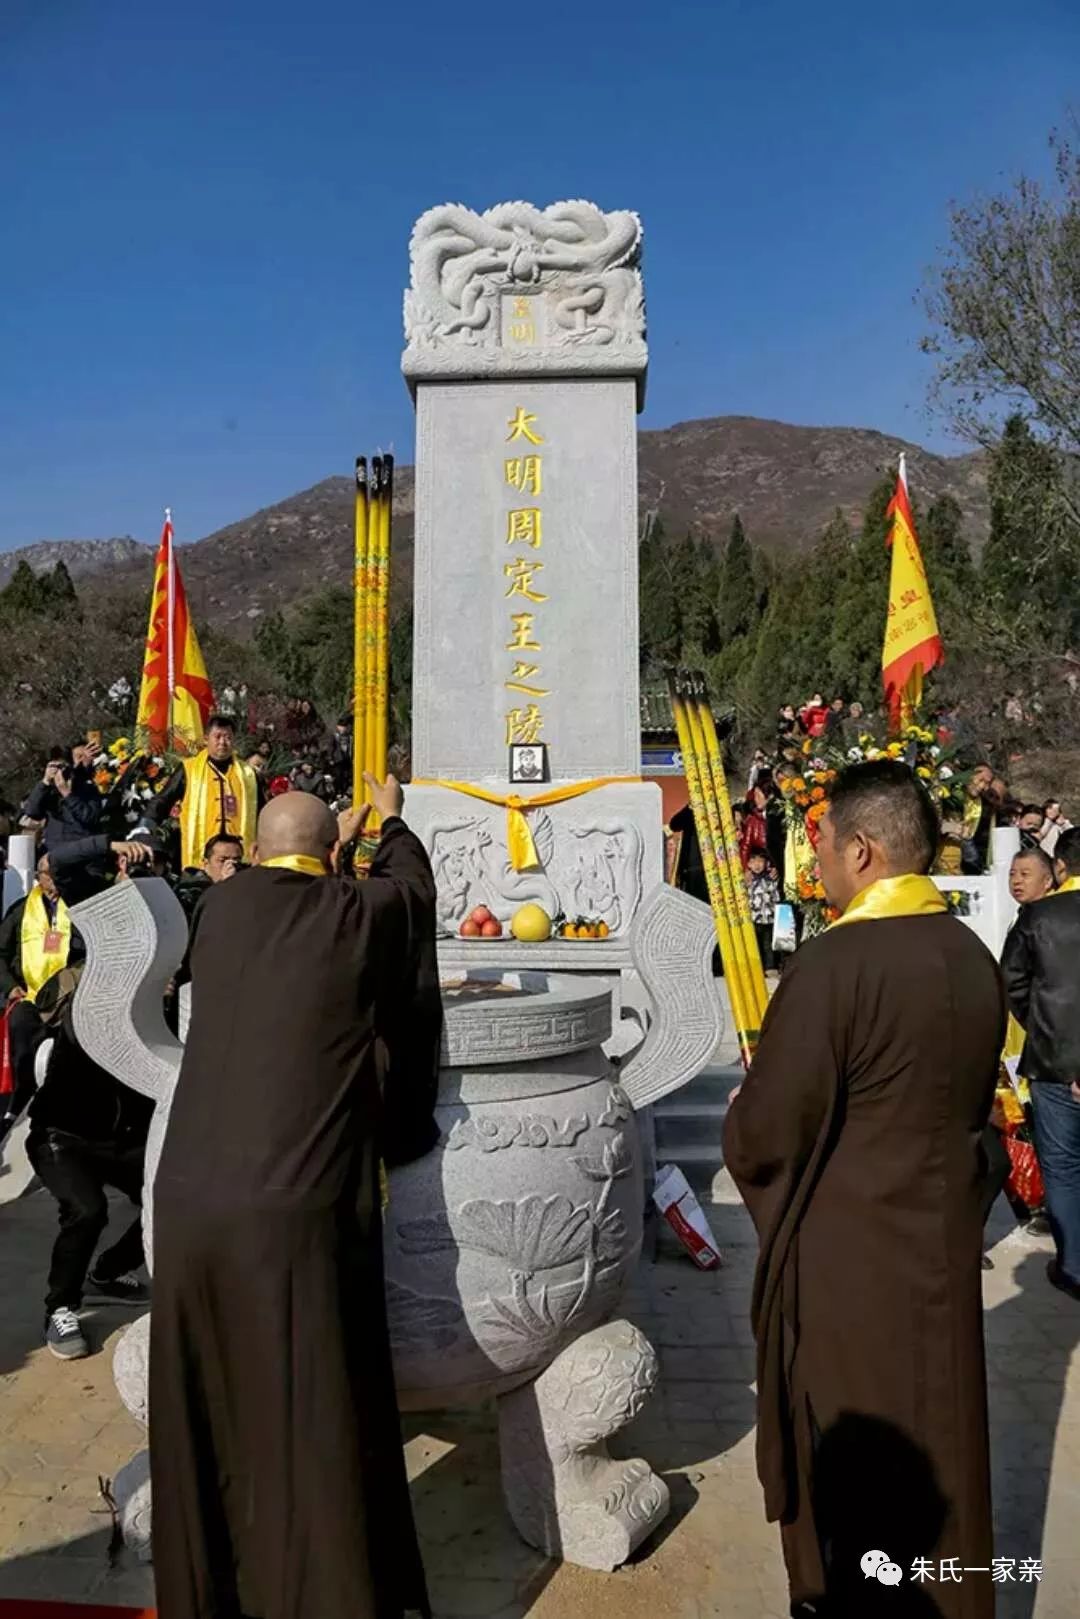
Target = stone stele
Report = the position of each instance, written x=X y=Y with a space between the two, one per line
x=526 y=357
x=509 y=1245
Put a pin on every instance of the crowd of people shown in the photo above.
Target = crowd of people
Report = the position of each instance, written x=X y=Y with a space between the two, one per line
x=836 y=730
x=861 y=1133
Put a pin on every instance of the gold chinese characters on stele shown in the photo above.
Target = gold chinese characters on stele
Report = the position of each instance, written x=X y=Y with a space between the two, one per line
x=523 y=474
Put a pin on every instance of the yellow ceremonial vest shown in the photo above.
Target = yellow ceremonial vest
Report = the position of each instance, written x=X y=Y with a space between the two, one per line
x=38 y=963
x=216 y=803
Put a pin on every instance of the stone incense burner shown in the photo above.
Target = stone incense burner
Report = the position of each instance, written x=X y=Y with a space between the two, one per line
x=508 y=1246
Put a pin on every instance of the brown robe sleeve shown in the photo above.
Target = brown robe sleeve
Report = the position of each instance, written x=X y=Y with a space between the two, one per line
x=776 y=1136
x=409 y=1016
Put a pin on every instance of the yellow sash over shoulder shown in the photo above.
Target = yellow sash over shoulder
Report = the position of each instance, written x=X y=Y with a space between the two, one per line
x=894 y=896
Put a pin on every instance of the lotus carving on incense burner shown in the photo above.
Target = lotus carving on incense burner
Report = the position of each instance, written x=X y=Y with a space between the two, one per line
x=507 y=1247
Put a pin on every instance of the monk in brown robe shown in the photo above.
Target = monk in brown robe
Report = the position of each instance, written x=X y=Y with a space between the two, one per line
x=279 y=1482
x=855 y=1142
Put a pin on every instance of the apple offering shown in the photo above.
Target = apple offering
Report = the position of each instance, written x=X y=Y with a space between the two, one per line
x=481 y=924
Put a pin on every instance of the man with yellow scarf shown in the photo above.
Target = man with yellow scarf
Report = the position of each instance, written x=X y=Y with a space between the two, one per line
x=37 y=941
x=855 y=1142
x=217 y=794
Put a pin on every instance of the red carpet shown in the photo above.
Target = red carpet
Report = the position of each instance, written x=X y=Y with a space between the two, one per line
x=12 y=1608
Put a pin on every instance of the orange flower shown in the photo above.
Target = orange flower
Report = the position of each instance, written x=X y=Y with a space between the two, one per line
x=799 y=784
x=817 y=794
x=815 y=812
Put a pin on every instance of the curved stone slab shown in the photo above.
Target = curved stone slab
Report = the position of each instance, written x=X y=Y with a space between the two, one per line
x=554 y=1017
x=671 y=943
x=135 y=935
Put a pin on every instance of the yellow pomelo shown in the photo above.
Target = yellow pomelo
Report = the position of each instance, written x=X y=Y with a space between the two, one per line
x=532 y=923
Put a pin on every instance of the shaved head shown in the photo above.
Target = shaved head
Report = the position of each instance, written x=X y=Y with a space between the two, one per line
x=296 y=823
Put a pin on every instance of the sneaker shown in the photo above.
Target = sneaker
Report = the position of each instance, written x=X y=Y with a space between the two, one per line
x=126 y=1289
x=1037 y=1226
x=987 y=1262
x=64 y=1337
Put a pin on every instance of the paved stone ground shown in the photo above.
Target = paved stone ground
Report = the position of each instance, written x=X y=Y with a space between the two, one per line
x=62 y=1425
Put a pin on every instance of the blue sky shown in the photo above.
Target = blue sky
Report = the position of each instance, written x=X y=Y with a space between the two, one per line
x=206 y=210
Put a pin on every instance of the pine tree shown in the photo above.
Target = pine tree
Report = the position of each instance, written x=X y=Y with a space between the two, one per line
x=23 y=596
x=695 y=580
x=862 y=598
x=401 y=660
x=950 y=570
x=1030 y=565
x=659 y=623
x=737 y=603
x=57 y=592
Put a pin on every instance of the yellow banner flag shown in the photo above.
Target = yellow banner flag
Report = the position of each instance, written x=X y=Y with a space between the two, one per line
x=912 y=642
x=175 y=699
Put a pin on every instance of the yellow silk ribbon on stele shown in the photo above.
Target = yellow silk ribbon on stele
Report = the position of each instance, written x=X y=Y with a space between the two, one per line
x=305 y=863
x=519 y=839
x=909 y=895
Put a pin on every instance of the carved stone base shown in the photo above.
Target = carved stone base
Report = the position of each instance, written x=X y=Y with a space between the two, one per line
x=601 y=855
x=131 y=1492
x=131 y=1368
x=565 y=1494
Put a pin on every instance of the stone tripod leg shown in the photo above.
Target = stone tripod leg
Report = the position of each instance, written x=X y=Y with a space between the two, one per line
x=565 y=1494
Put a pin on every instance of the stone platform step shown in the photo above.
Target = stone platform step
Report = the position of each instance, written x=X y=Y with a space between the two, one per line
x=689 y=1127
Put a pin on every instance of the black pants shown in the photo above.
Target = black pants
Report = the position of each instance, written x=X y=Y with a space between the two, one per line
x=25 y=1033
x=764 y=931
x=77 y=1172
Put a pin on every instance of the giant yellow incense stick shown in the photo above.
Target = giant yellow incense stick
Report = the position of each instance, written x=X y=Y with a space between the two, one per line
x=381 y=604
x=715 y=826
x=742 y=921
x=360 y=577
x=368 y=686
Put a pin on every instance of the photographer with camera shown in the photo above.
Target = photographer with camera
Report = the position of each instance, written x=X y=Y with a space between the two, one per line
x=65 y=801
x=87 y=1130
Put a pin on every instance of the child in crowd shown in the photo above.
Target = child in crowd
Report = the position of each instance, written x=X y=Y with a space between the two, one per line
x=764 y=892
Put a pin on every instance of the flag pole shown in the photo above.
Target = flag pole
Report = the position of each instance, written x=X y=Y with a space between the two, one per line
x=170 y=603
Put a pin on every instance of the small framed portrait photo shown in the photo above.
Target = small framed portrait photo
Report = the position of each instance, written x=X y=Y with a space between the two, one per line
x=528 y=762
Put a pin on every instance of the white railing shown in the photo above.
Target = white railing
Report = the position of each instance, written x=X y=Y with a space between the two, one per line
x=992 y=907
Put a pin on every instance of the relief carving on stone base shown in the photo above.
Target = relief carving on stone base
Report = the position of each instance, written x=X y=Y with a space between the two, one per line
x=588 y=868
x=583 y=261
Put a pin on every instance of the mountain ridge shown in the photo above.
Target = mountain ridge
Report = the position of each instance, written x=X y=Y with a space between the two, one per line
x=785 y=481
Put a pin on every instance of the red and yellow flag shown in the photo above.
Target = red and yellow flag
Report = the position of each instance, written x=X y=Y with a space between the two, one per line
x=912 y=643
x=176 y=698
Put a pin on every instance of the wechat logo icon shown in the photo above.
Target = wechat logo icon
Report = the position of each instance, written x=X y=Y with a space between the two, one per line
x=879 y=1566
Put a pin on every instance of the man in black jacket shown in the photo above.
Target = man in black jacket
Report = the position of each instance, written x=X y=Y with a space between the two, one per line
x=1041 y=963
x=65 y=800
x=87 y=1132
